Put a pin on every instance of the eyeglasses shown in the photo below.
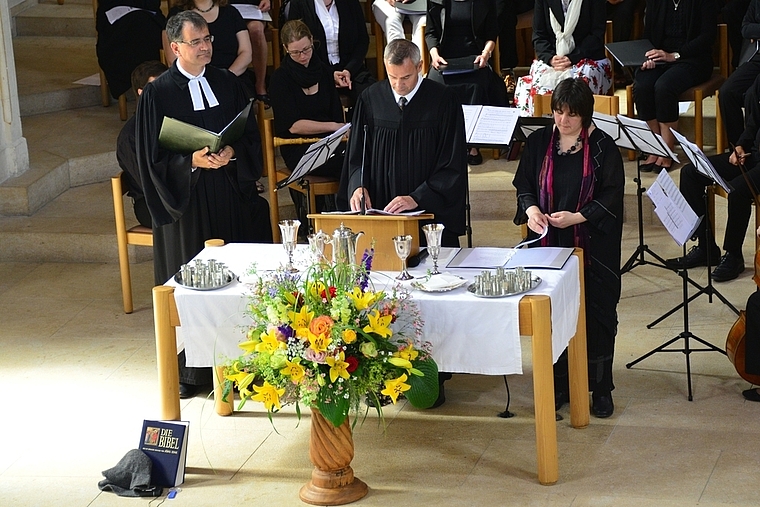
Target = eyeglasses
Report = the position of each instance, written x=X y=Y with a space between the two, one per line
x=208 y=39
x=299 y=53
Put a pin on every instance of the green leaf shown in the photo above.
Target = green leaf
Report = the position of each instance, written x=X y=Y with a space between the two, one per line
x=337 y=410
x=424 y=390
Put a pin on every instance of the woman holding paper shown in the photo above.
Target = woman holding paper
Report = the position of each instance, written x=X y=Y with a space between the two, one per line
x=305 y=101
x=683 y=32
x=568 y=37
x=570 y=179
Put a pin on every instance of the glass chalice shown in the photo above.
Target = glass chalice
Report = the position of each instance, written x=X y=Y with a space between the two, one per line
x=289 y=235
x=433 y=233
x=403 y=245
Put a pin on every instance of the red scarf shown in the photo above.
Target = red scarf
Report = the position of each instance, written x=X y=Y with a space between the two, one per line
x=546 y=192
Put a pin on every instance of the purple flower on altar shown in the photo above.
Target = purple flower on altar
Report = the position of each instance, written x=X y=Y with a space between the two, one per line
x=286 y=331
x=366 y=263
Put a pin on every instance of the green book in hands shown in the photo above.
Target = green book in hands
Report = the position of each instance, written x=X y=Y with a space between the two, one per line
x=185 y=138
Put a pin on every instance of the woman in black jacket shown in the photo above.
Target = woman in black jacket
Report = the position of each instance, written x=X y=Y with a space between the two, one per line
x=463 y=33
x=342 y=46
x=683 y=33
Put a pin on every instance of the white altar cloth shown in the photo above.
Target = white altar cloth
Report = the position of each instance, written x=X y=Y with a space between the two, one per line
x=468 y=334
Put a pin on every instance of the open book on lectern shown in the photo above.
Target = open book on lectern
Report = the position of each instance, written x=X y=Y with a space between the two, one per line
x=646 y=141
x=701 y=162
x=489 y=125
x=316 y=156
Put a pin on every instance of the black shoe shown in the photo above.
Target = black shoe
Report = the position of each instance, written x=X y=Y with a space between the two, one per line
x=442 y=377
x=697 y=256
x=560 y=398
x=476 y=159
x=647 y=168
x=602 y=405
x=187 y=390
x=751 y=395
x=730 y=267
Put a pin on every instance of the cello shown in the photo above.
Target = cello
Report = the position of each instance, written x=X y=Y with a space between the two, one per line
x=736 y=339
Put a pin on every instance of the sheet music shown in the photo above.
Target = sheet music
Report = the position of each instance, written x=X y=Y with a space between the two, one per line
x=644 y=139
x=611 y=126
x=529 y=124
x=701 y=162
x=490 y=125
x=529 y=241
x=672 y=209
x=248 y=11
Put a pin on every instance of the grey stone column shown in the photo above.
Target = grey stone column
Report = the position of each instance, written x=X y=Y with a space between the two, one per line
x=14 y=154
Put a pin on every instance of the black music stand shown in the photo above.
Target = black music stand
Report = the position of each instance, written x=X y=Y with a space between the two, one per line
x=674 y=201
x=703 y=165
x=486 y=127
x=316 y=156
x=636 y=135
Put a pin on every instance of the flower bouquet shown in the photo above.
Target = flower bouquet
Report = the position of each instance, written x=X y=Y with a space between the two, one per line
x=327 y=340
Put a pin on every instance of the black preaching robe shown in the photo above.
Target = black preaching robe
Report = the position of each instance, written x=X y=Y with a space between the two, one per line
x=188 y=207
x=419 y=151
x=604 y=222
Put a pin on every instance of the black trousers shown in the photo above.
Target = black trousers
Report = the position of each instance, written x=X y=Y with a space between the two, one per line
x=693 y=187
x=732 y=97
x=656 y=91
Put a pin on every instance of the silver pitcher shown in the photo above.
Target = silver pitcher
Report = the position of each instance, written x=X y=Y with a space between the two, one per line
x=343 y=243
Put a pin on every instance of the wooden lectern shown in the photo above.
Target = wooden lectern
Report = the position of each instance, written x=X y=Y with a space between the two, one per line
x=381 y=228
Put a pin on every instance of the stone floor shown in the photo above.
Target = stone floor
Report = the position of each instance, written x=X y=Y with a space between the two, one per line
x=82 y=377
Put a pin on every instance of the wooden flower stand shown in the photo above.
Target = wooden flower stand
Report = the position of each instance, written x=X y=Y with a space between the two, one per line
x=331 y=450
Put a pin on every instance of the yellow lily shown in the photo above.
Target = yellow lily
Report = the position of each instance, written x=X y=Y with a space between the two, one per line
x=269 y=342
x=379 y=324
x=268 y=395
x=361 y=299
x=408 y=353
x=318 y=343
x=395 y=387
x=301 y=318
x=400 y=362
x=338 y=366
x=294 y=370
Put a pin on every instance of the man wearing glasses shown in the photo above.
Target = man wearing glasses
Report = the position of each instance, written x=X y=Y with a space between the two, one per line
x=197 y=196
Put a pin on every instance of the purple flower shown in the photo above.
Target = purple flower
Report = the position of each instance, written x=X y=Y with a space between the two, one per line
x=286 y=331
x=366 y=263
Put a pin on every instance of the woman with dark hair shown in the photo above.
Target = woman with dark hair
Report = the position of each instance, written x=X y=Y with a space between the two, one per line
x=683 y=33
x=305 y=102
x=568 y=37
x=342 y=40
x=231 y=43
x=465 y=31
x=570 y=179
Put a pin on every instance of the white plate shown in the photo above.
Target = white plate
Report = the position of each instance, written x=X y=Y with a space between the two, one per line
x=440 y=283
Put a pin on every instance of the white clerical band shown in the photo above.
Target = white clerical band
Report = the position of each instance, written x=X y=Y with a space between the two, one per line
x=196 y=85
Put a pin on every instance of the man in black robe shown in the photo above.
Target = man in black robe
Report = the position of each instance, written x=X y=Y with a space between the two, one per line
x=201 y=195
x=416 y=157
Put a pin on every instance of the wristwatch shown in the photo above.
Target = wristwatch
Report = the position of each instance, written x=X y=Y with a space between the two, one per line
x=676 y=55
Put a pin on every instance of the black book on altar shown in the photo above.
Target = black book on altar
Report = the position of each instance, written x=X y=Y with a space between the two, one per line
x=165 y=442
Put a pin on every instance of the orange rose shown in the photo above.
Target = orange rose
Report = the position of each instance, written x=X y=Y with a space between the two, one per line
x=321 y=325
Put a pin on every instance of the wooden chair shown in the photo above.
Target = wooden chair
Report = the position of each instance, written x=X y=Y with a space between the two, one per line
x=138 y=235
x=607 y=104
x=310 y=186
x=105 y=94
x=698 y=93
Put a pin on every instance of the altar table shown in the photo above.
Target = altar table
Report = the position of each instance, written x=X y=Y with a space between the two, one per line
x=468 y=334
